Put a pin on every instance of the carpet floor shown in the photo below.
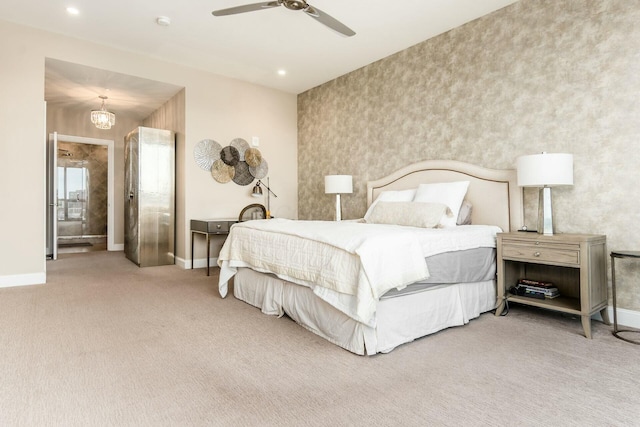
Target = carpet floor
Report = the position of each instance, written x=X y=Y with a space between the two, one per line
x=107 y=343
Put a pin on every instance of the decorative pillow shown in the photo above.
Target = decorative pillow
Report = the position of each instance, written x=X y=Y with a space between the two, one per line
x=448 y=193
x=425 y=215
x=391 y=196
x=464 y=216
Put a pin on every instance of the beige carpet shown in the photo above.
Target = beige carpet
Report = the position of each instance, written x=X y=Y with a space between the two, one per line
x=107 y=343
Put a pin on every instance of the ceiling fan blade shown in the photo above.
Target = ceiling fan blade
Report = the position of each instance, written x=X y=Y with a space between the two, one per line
x=246 y=8
x=329 y=21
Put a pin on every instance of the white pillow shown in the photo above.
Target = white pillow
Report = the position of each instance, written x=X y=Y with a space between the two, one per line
x=391 y=196
x=464 y=217
x=449 y=193
x=425 y=215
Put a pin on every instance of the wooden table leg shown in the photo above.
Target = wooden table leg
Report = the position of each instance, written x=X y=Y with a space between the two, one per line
x=586 y=325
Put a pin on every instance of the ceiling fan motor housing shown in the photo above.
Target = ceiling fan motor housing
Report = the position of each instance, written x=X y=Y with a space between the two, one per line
x=295 y=4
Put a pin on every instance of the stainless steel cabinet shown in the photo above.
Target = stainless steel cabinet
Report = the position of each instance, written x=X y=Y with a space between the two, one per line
x=150 y=196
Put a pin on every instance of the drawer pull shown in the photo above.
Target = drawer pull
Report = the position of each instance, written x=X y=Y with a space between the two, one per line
x=536 y=254
x=537 y=243
x=218 y=226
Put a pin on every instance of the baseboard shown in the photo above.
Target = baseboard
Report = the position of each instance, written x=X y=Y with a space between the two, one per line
x=197 y=263
x=23 y=280
x=117 y=247
x=628 y=318
x=182 y=263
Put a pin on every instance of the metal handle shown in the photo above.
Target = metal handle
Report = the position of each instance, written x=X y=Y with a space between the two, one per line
x=219 y=226
x=536 y=254
x=131 y=194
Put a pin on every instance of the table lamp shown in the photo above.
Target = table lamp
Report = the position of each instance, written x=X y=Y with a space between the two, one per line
x=545 y=170
x=338 y=184
x=257 y=192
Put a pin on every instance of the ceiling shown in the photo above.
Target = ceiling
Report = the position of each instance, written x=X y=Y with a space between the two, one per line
x=251 y=46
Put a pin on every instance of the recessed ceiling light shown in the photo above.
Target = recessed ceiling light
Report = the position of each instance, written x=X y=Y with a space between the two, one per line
x=73 y=11
x=163 y=21
x=282 y=72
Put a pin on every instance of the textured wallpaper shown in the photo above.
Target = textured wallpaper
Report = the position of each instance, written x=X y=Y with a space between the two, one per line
x=93 y=158
x=555 y=76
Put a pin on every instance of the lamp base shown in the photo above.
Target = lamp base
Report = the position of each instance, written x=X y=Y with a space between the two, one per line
x=545 y=212
x=338 y=216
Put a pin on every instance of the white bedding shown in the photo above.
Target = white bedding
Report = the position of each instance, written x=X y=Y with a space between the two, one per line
x=399 y=320
x=347 y=264
x=357 y=259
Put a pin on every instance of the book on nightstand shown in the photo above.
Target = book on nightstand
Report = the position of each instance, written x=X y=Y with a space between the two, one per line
x=535 y=289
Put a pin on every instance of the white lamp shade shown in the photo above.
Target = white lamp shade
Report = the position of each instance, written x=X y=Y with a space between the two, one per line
x=545 y=170
x=338 y=184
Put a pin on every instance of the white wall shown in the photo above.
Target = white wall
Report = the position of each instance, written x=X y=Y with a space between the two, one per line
x=216 y=107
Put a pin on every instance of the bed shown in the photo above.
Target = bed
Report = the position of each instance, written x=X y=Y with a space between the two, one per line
x=371 y=285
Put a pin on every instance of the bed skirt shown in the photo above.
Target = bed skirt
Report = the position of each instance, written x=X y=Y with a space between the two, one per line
x=399 y=320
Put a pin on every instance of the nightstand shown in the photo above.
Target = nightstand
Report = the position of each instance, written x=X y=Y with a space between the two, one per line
x=574 y=263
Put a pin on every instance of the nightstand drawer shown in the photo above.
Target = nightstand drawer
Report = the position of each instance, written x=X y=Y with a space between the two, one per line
x=218 y=227
x=211 y=226
x=560 y=254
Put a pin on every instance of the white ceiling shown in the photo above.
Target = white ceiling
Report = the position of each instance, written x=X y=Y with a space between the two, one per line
x=251 y=46
x=74 y=86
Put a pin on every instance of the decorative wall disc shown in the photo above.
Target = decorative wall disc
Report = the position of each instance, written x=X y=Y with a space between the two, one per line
x=222 y=172
x=241 y=145
x=230 y=155
x=260 y=171
x=237 y=162
x=206 y=152
x=253 y=157
x=242 y=175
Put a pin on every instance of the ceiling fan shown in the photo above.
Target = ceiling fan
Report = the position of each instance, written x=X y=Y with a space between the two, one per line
x=302 y=5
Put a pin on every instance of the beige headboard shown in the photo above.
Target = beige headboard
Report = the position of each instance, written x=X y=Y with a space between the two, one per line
x=494 y=193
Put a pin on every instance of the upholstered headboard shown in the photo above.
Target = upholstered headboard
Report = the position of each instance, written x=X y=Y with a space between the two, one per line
x=494 y=193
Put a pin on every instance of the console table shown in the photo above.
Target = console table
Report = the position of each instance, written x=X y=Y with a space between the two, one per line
x=209 y=227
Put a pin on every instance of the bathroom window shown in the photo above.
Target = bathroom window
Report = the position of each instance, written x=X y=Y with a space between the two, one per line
x=72 y=193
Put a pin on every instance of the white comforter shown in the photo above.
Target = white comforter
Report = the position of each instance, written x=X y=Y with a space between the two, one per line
x=348 y=264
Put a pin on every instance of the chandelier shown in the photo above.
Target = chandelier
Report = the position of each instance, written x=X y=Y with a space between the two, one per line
x=102 y=118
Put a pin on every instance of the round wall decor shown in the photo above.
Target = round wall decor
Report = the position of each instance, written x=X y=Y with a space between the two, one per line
x=230 y=155
x=222 y=172
x=253 y=157
x=206 y=152
x=242 y=174
x=237 y=162
x=241 y=145
x=260 y=171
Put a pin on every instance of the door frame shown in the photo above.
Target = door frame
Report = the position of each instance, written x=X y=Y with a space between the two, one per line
x=111 y=246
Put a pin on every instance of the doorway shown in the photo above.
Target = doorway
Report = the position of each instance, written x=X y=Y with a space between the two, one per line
x=80 y=190
x=82 y=197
